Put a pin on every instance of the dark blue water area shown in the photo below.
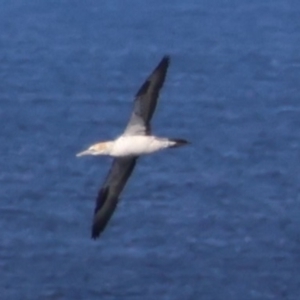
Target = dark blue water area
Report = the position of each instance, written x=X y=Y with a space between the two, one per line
x=218 y=219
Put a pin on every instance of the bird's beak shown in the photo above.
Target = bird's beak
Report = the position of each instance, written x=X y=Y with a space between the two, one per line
x=86 y=152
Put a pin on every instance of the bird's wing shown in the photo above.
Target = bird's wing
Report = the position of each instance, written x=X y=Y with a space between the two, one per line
x=146 y=100
x=108 y=195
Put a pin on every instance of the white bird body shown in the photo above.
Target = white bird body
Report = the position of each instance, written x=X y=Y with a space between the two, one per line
x=131 y=145
x=139 y=145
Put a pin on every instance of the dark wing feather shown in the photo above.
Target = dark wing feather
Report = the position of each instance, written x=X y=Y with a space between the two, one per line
x=108 y=195
x=146 y=100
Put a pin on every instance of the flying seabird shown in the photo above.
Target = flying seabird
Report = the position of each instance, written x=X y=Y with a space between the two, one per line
x=135 y=141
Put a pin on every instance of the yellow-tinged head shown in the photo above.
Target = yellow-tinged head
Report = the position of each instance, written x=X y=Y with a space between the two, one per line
x=102 y=148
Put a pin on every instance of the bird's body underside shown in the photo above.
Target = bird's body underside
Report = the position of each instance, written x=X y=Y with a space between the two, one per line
x=134 y=142
x=135 y=145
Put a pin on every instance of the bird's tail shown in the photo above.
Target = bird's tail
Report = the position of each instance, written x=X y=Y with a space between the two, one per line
x=178 y=142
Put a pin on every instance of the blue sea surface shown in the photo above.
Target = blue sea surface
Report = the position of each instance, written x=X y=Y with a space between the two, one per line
x=216 y=220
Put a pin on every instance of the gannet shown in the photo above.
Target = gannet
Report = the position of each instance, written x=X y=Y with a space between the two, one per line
x=135 y=141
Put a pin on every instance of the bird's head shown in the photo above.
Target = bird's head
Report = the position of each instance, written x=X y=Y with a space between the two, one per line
x=102 y=148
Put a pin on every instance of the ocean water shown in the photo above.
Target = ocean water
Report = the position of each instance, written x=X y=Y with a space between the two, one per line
x=218 y=219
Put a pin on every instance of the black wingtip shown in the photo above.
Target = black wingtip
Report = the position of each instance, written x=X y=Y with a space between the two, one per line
x=165 y=60
x=163 y=64
x=95 y=233
x=157 y=76
x=99 y=224
x=97 y=228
